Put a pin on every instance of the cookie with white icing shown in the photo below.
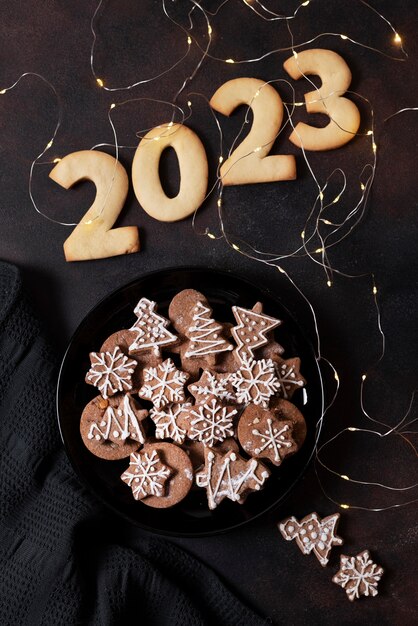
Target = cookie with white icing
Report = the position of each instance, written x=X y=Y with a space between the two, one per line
x=230 y=476
x=176 y=485
x=163 y=384
x=202 y=338
x=252 y=332
x=111 y=372
x=313 y=534
x=263 y=436
x=212 y=385
x=150 y=332
x=113 y=428
x=285 y=410
x=209 y=422
x=255 y=382
x=289 y=376
x=167 y=421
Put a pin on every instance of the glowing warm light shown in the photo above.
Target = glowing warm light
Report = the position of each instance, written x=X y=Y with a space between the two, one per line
x=344 y=477
x=229 y=61
x=305 y=4
x=374 y=147
x=295 y=54
x=397 y=38
x=374 y=290
x=281 y=270
x=112 y=106
x=364 y=376
x=321 y=195
x=362 y=187
x=318 y=250
x=3 y=91
x=370 y=132
x=336 y=199
x=56 y=160
x=189 y=40
x=209 y=29
x=302 y=234
x=327 y=222
x=221 y=159
x=49 y=144
x=352 y=429
x=170 y=124
x=189 y=104
x=235 y=246
x=219 y=202
x=257 y=149
x=336 y=377
x=344 y=506
x=343 y=36
x=329 y=283
x=100 y=82
x=211 y=236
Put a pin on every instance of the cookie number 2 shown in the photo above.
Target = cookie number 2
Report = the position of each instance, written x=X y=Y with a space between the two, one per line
x=249 y=162
x=344 y=115
x=93 y=237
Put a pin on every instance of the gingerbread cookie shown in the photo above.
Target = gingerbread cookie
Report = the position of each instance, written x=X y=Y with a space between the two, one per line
x=313 y=534
x=255 y=382
x=285 y=410
x=167 y=421
x=111 y=372
x=196 y=450
x=163 y=384
x=289 y=377
x=251 y=331
x=150 y=329
x=112 y=429
x=202 y=337
x=358 y=575
x=213 y=386
x=230 y=476
x=263 y=436
x=175 y=485
x=209 y=423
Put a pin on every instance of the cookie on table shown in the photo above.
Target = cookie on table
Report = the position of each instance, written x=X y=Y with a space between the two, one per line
x=264 y=436
x=112 y=428
x=358 y=575
x=163 y=384
x=202 y=338
x=289 y=376
x=150 y=333
x=313 y=534
x=228 y=475
x=160 y=475
x=285 y=410
x=252 y=332
x=111 y=372
x=210 y=422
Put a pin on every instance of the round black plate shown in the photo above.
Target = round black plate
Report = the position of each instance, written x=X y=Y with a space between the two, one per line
x=191 y=517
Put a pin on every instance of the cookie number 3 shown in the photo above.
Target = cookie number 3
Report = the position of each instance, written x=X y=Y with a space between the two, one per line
x=94 y=237
x=249 y=162
x=344 y=115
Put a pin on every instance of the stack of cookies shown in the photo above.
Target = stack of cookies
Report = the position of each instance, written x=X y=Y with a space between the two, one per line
x=197 y=403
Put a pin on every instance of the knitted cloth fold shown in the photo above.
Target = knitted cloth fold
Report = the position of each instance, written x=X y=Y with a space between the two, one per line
x=62 y=555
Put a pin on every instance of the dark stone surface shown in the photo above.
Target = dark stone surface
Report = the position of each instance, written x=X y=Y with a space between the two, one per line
x=53 y=38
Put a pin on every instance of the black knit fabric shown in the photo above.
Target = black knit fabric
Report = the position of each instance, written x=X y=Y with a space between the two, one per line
x=62 y=554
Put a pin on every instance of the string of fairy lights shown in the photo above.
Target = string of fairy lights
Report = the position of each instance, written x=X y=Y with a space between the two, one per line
x=320 y=233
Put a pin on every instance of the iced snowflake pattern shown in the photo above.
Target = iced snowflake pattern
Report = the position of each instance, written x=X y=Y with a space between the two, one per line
x=217 y=385
x=256 y=382
x=211 y=423
x=358 y=575
x=166 y=421
x=111 y=372
x=163 y=384
x=288 y=375
x=273 y=439
x=146 y=475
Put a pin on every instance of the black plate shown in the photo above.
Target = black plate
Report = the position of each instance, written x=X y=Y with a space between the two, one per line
x=191 y=517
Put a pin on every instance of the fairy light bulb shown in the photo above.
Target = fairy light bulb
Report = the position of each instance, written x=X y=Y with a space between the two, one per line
x=211 y=236
x=234 y=245
x=397 y=38
x=329 y=283
x=229 y=61
x=112 y=106
x=189 y=40
x=100 y=82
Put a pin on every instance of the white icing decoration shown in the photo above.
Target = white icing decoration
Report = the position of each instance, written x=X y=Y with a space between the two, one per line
x=163 y=384
x=211 y=423
x=124 y=428
x=292 y=529
x=203 y=334
x=150 y=328
x=256 y=337
x=166 y=422
x=272 y=439
x=147 y=479
x=285 y=376
x=256 y=382
x=111 y=371
x=228 y=485
x=358 y=575
x=214 y=387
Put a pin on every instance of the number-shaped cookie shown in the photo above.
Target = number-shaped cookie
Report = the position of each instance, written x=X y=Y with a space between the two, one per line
x=93 y=237
x=249 y=162
x=336 y=78
x=193 y=166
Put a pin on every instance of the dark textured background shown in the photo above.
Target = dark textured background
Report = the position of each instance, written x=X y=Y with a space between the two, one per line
x=53 y=38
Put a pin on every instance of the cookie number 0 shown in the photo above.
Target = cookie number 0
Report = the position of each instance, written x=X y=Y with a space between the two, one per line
x=193 y=172
x=344 y=115
x=93 y=237
x=249 y=162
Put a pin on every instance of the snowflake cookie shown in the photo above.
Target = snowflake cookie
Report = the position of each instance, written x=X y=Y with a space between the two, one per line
x=150 y=329
x=230 y=476
x=250 y=333
x=111 y=372
x=146 y=475
x=358 y=575
x=262 y=435
x=210 y=423
x=163 y=384
x=255 y=381
x=213 y=386
x=289 y=377
x=313 y=534
x=167 y=421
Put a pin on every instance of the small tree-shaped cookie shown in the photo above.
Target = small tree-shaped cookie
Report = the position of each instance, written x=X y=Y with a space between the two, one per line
x=150 y=328
x=250 y=333
x=313 y=534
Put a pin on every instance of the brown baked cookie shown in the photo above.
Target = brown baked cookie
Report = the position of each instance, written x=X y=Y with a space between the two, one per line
x=123 y=339
x=167 y=421
x=255 y=382
x=162 y=472
x=263 y=436
x=196 y=450
x=285 y=410
x=111 y=372
x=358 y=575
x=289 y=376
x=202 y=338
x=209 y=422
x=252 y=332
x=111 y=429
x=163 y=384
x=213 y=386
x=313 y=534
x=230 y=476
x=150 y=330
